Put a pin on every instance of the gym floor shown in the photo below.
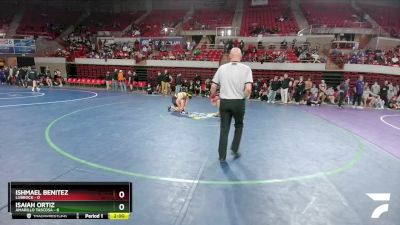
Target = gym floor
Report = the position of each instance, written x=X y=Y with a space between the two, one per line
x=300 y=165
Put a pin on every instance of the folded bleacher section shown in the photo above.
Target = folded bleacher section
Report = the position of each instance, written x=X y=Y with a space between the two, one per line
x=49 y=22
x=274 y=18
x=105 y=21
x=332 y=14
x=153 y=24
x=387 y=17
x=209 y=19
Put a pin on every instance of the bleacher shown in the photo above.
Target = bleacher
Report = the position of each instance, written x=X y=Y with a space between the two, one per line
x=209 y=19
x=103 y=21
x=256 y=17
x=387 y=17
x=153 y=24
x=7 y=12
x=46 y=21
x=180 y=54
x=331 y=14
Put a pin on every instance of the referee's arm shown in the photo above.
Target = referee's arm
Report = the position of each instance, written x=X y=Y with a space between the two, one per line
x=247 y=90
x=214 y=87
x=214 y=84
x=249 y=84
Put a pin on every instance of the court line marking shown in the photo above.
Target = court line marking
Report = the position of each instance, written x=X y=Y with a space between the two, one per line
x=382 y=118
x=54 y=102
x=56 y=148
x=31 y=96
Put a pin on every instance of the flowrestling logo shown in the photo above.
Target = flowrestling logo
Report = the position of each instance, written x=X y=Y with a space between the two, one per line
x=379 y=197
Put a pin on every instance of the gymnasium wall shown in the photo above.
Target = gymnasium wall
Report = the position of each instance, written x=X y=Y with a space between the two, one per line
x=97 y=67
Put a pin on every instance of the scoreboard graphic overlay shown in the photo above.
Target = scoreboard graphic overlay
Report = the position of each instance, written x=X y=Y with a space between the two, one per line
x=70 y=200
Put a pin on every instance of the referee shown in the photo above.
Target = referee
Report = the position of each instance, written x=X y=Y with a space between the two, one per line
x=234 y=80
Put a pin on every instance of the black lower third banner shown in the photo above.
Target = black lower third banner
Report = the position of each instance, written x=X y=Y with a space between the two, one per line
x=60 y=216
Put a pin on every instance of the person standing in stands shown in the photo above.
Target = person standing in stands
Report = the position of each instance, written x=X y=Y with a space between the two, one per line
x=384 y=93
x=308 y=86
x=197 y=87
x=2 y=76
x=299 y=90
x=375 y=88
x=131 y=80
x=108 y=79
x=285 y=88
x=60 y=78
x=164 y=82
x=169 y=81
x=178 y=83
x=159 y=82
x=343 y=90
x=390 y=90
x=274 y=86
x=115 y=80
x=359 y=89
x=234 y=80
x=322 y=91
x=121 y=80
x=23 y=76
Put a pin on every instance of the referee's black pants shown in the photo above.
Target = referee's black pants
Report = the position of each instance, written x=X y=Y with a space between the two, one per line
x=230 y=108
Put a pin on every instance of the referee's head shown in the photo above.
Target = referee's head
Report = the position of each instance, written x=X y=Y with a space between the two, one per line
x=235 y=55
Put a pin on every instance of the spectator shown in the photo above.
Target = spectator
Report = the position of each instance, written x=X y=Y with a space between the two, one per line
x=115 y=80
x=396 y=90
x=308 y=86
x=285 y=88
x=390 y=90
x=197 y=86
x=313 y=100
x=274 y=87
x=149 y=89
x=208 y=88
x=131 y=79
x=108 y=79
x=159 y=82
x=264 y=92
x=314 y=89
x=164 y=82
x=191 y=87
x=322 y=91
x=378 y=103
x=384 y=92
x=299 y=90
x=368 y=96
x=358 y=92
x=169 y=80
x=178 y=83
x=330 y=95
x=121 y=80
x=49 y=82
x=343 y=91
x=375 y=88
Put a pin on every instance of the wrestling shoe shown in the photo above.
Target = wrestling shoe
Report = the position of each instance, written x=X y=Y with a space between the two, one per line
x=184 y=113
x=236 y=155
x=169 y=108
